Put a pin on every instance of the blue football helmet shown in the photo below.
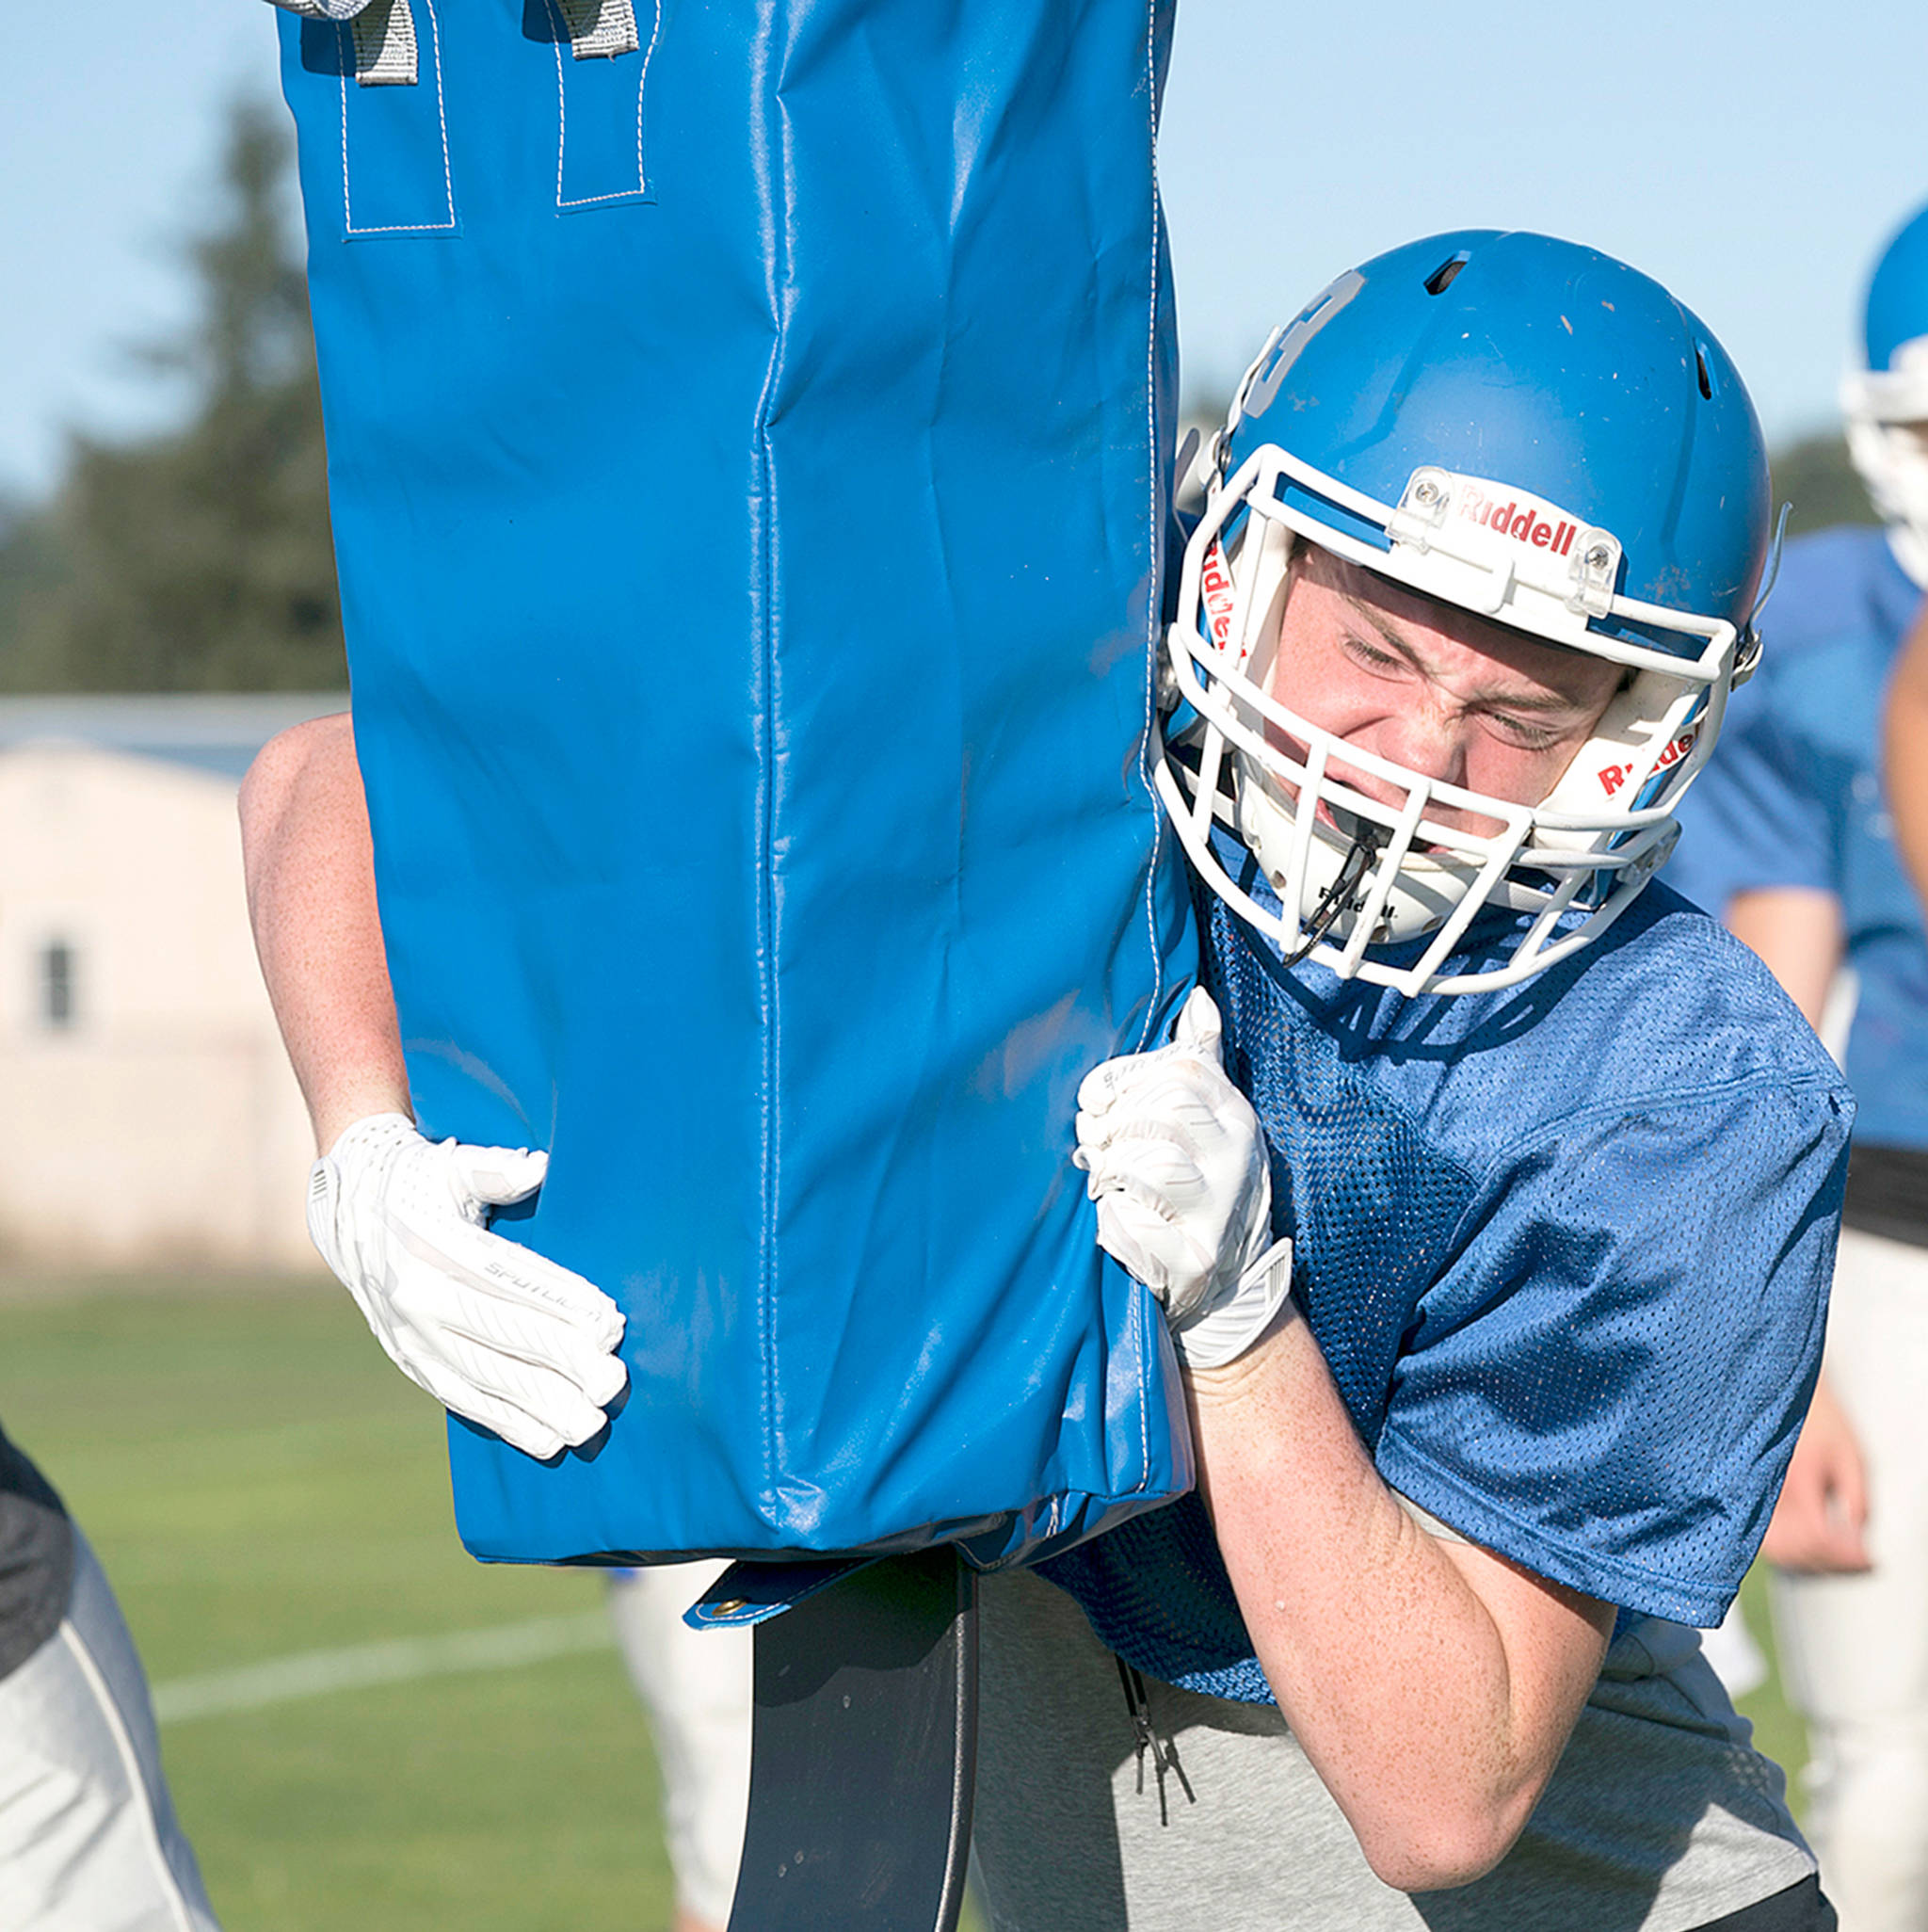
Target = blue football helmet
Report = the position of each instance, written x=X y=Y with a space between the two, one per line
x=1885 y=399
x=1536 y=434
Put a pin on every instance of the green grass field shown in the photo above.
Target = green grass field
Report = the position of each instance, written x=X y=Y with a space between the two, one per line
x=259 y=1482
x=1777 y=1730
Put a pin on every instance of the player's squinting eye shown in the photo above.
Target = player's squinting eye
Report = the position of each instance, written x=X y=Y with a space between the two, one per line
x=1524 y=734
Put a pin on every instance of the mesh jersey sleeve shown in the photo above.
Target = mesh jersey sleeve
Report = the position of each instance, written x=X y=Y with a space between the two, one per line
x=1606 y=1382
x=1752 y=821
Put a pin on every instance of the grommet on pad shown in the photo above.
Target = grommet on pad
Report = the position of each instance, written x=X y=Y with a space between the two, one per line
x=748 y=1593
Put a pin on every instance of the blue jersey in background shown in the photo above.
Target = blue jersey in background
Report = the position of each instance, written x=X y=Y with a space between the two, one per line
x=1792 y=797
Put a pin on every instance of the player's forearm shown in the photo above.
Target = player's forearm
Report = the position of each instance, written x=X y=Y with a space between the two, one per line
x=1434 y=1728
x=1905 y=754
x=311 y=898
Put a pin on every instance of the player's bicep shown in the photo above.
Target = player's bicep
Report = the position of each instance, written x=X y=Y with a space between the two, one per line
x=1555 y=1640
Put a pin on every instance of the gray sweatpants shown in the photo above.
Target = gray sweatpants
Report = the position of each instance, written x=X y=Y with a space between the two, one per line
x=1658 y=1819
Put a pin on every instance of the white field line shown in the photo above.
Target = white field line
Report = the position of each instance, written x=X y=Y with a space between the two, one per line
x=315 y=1673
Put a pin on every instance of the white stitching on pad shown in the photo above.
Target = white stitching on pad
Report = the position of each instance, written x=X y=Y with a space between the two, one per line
x=441 y=117
x=642 y=186
x=1157 y=535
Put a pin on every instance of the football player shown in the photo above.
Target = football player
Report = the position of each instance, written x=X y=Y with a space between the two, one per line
x=1557 y=1162
x=1548 y=1163
x=1789 y=841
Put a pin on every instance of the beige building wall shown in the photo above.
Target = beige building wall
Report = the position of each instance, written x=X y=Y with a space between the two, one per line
x=147 y=1112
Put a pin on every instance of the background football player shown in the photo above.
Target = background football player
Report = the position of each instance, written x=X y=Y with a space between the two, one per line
x=1791 y=841
x=89 y=1838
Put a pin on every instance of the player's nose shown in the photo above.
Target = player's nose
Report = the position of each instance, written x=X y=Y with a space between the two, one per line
x=1428 y=740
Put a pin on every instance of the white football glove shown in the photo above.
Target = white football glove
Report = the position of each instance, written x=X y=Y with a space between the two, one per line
x=1177 y=1165
x=491 y=1330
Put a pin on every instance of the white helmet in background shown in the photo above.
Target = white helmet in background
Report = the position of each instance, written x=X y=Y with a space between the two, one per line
x=1885 y=401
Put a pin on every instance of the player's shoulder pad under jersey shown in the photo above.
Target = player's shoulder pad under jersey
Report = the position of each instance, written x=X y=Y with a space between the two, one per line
x=1696 y=1007
x=1665 y=1013
x=1667 y=1009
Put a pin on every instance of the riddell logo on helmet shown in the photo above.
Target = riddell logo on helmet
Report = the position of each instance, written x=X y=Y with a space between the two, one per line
x=1218 y=593
x=1613 y=777
x=1524 y=519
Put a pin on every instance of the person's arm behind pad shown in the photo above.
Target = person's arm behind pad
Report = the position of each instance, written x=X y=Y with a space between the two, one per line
x=495 y=1332
x=310 y=898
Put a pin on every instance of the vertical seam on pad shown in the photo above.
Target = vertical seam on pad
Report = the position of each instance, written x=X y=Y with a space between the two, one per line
x=448 y=176
x=1155 y=606
x=345 y=62
x=642 y=83
x=1154 y=602
x=764 y=568
x=561 y=27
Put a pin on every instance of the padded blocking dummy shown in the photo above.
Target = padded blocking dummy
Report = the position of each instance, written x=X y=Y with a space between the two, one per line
x=747 y=463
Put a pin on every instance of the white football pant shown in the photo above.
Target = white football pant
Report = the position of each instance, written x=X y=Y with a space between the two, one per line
x=695 y=1687
x=88 y=1842
x=1856 y=1648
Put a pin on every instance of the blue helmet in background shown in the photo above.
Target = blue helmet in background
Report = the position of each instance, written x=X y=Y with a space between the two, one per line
x=1531 y=432
x=1885 y=399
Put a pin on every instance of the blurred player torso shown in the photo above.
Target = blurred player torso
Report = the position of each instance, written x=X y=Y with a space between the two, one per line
x=1794 y=797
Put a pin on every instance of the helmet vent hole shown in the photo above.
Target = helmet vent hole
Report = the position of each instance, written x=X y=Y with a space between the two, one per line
x=1442 y=279
x=1701 y=369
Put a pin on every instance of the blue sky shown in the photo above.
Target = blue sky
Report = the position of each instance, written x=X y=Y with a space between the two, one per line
x=1753 y=158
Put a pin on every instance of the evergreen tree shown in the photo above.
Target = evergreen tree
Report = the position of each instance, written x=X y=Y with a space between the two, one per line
x=197 y=560
x=1815 y=475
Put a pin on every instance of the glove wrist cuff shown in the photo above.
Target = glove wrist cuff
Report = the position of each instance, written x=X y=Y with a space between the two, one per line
x=359 y=1147
x=1224 y=1332
x=370 y=1130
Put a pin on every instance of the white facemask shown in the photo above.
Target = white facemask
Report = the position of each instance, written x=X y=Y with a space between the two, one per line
x=1362 y=872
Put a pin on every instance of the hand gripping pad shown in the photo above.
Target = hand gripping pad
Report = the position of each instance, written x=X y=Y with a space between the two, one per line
x=746 y=466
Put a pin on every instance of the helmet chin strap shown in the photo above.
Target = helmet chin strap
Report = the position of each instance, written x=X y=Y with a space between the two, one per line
x=1342 y=895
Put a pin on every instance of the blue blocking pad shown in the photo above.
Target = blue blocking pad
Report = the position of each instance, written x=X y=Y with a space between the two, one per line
x=747 y=456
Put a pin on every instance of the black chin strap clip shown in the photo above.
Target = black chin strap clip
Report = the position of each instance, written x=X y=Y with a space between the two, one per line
x=1343 y=894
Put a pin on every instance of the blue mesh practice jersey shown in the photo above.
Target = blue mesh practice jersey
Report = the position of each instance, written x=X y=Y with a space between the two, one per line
x=1794 y=797
x=1565 y=1247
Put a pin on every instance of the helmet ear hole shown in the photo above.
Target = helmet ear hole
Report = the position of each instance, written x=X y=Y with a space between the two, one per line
x=1442 y=278
x=1701 y=370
